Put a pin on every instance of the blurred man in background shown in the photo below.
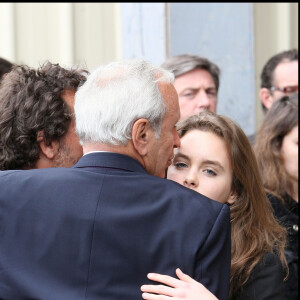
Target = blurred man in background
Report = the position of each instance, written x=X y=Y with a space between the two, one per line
x=279 y=77
x=196 y=82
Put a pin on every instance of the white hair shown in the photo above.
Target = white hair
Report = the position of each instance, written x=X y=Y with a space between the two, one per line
x=115 y=96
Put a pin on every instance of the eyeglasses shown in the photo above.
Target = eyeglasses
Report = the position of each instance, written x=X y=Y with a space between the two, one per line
x=293 y=89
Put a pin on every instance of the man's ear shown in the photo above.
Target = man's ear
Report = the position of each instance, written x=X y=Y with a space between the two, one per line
x=48 y=149
x=141 y=136
x=266 y=97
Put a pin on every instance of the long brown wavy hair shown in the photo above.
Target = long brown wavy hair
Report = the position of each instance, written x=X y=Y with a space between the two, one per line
x=278 y=122
x=254 y=230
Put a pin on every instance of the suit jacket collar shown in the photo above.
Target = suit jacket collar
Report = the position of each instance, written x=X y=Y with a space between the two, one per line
x=110 y=160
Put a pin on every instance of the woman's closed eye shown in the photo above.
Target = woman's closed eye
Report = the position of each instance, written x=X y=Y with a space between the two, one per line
x=180 y=165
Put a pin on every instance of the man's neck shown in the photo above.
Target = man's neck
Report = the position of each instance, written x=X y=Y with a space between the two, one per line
x=126 y=150
x=104 y=147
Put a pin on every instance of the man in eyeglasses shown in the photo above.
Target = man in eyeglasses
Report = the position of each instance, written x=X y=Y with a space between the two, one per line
x=279 y=77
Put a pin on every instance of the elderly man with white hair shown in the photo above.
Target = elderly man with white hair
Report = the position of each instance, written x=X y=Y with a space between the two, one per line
x=95 y=230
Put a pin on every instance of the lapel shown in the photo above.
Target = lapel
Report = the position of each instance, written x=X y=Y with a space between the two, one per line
x=110 y=160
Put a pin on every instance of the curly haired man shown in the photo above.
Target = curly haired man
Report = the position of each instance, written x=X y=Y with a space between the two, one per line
x=37 y=126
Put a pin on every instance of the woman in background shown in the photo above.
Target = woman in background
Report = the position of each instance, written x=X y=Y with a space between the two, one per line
x=276 y=148
x=216 y=159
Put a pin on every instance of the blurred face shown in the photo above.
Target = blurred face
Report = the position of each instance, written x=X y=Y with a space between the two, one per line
x=286 y=75
x=70 y=150
x=161 y=150
x=289 y=152
x=202 y=163
x=196 y=91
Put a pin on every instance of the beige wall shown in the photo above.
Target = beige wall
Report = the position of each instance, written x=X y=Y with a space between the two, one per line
x=67 y=33
x=89 y=34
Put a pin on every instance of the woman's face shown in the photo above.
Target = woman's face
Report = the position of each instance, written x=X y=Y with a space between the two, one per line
x=202 y=163
x=289 y=152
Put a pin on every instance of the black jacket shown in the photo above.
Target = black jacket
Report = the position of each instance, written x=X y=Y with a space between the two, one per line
x=265 y=281
x=287 y=215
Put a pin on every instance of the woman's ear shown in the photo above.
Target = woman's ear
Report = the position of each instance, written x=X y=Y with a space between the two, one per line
x=142 y=134
x=232 y=197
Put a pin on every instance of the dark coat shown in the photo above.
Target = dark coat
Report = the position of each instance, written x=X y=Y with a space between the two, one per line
x=94 y=231
x=287 y=215
x=265 y=281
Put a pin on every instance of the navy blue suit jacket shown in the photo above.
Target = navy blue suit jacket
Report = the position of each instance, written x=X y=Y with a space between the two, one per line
x=94 y=231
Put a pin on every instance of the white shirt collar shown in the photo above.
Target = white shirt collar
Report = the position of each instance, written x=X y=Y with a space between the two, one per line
x=94 y=152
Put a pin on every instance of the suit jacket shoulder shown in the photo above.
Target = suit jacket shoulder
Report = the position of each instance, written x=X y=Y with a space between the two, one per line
x=94 y=231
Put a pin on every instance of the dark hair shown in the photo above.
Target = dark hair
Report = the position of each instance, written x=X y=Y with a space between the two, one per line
x=281 y=118
x=267 y=74
x=184 y=63
x=5 y=67
x=30 y=101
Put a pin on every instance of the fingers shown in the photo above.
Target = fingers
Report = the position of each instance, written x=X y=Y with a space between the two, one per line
x=154 y=297
x=165 y=279
x=184 y=277
x=162 y=290
x=199 y=289
x=183 y=288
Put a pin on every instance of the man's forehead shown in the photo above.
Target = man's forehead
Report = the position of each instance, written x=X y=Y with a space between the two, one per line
x=170 y=96
x=194 y=78
x=287 y=68
x=168 y=91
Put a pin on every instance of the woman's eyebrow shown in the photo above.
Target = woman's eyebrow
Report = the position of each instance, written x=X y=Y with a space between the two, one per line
x=181 y=155
x=213 y=162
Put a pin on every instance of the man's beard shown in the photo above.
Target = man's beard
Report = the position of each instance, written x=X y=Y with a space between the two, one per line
x=64 y=157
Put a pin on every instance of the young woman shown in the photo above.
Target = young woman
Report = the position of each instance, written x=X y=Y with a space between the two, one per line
x=276 y=148
x=216 y=159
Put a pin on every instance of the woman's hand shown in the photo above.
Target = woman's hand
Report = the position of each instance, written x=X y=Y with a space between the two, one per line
x=183 y=288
